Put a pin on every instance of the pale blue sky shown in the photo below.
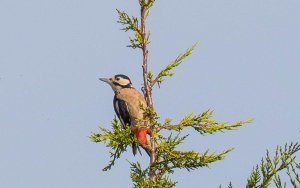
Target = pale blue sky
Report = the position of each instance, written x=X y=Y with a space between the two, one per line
x=53 y=51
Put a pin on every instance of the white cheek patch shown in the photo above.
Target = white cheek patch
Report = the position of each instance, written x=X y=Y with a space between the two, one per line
x=123 y=82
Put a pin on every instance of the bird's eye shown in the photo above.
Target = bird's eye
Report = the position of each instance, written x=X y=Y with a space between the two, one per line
x=117 y=78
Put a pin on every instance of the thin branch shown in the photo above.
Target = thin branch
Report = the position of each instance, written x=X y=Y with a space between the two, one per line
x=173 y=127
x=175 y=63
x=155 y=81
x=147 y=88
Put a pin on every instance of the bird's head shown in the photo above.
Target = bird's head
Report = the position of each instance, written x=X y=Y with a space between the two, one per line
x=118 y=82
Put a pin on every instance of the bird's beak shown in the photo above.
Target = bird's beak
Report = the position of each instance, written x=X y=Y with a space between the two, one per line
x=104 y=80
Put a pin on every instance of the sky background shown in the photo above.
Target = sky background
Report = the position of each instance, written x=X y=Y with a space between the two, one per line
x=52 y=52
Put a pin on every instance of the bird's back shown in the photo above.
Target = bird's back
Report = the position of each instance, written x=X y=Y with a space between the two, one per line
x=134 y=100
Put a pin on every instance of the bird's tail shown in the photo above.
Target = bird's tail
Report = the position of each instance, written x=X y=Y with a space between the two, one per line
x=135 y=148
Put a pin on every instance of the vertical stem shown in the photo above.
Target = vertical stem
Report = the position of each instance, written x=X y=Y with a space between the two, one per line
x=147 y=92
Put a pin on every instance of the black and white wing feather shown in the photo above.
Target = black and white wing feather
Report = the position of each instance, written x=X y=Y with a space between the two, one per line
x=122 y=111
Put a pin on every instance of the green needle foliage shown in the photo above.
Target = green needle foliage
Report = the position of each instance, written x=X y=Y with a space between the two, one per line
x=167 y=70
x=284 y=159
x=267 y=172
x=169 y=158
x=130 y=23
x=203 y=124
x=165 y=158
x=117 y=140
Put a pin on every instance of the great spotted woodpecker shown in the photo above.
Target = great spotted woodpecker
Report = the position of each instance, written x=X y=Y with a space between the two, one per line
x=127 y=104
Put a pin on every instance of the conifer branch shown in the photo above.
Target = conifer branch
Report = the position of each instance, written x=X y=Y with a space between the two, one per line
x=170 y=159
x=117 y=140
x=284 y=159
x=202 y=123
x=146 y=4
x=189 y=160
x=144 y=11
x=167 y=70
x=269 y=168
x=139 y=176
x=130 y=23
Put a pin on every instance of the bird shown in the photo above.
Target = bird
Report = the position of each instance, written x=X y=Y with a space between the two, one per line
x=127 y=105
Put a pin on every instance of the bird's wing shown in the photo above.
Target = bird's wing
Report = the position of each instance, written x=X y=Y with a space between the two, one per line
x=122 y=111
